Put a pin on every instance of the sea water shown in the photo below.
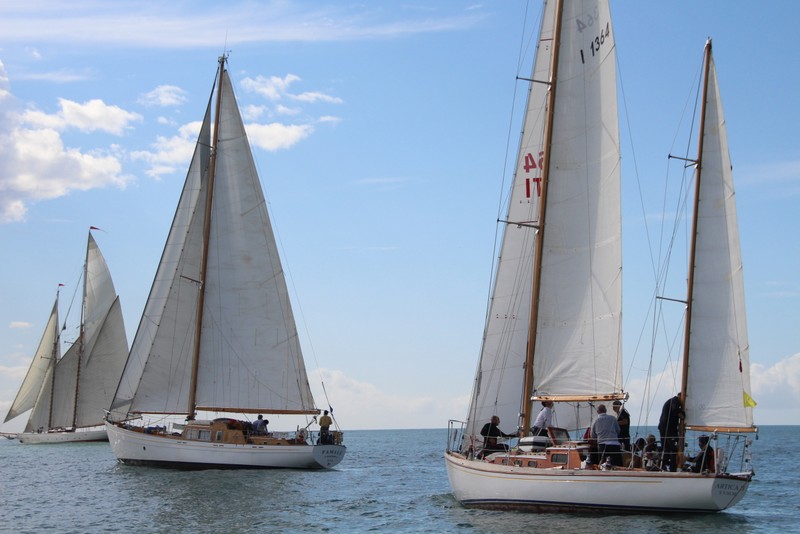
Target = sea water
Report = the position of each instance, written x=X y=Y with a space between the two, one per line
x=390 y=481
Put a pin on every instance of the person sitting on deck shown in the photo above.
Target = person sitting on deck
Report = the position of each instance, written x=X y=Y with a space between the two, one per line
x=260 y=426
x=704 y=460
x=490 y=433
x=650 y=456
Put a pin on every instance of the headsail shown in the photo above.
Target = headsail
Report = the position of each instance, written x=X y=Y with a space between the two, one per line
x=500 y=377
x=36 y=387
x=718 y=375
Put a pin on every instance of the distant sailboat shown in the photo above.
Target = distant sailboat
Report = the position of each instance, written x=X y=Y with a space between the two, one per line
x=553 y=330
x=68 y=396
x=217 y=333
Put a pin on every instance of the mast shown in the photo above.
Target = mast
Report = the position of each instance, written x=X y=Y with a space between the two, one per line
x=693 y=244
x=206 y=234
x=81 y=337
x=53 y=362
x=527 y=391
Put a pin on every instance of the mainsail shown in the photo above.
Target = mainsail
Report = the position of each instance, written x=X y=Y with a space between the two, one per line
x=718 y=371
x=578 y=315
x=249 y=357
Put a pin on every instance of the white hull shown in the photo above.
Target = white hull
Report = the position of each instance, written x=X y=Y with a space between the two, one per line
x=137 y=448
x=479 y=484
x=33 y=438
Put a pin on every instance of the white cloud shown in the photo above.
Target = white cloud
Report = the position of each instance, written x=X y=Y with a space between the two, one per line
x=273 y=87
x=276 y=88
x=87 y=117
x=251 y=112
x=171 y=25
x=34 y=163
x=316 y=96
x=170 y=154
x=285 y=110
x=276 y=136
x=163 y=96
x=20 y=324
x=777 y=385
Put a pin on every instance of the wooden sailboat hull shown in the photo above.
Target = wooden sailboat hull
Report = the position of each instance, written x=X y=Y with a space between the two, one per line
x=479 y=484
x=79 y=436
x=137 y=448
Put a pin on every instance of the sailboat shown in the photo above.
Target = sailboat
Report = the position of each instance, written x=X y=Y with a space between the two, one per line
x=68 y=395
x=553 y=328
x=217 y=333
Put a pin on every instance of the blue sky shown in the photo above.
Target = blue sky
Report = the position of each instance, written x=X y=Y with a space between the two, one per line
x=382 y=132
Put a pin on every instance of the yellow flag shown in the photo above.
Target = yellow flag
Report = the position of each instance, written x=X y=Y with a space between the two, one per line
x=748 y=401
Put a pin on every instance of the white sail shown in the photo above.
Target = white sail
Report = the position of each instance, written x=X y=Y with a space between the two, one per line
x=158 y=371
x=64 y=388
x=249 y=356
x=87 y=376
x=578 y=334
x=718 y=375
x=38 y=379
x=578 y=346
x=101 y=368
x=500 y=375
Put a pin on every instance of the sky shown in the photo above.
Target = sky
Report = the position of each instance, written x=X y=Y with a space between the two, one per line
x=382 y=132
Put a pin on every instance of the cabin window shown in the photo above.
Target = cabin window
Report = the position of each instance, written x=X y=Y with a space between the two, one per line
x=205 y=435
x=559 y=458
x=518 y=463
x=219 y=435
x=505 y=461
x=531 y=463
x=192 y=433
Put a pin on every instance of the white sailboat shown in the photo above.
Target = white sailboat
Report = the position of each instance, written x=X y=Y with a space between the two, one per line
x=68 y=395
x=217 y=333
x=553 y=330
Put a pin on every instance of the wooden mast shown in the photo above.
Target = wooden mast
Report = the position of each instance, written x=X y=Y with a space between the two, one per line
x=693 y=246
x=80 y=334
x=206 y=234
x=537 y=266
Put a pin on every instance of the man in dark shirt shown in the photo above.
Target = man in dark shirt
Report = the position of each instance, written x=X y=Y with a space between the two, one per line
x=704 y=461
x=671 y=414
x=624 y=422
x=490 y=433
